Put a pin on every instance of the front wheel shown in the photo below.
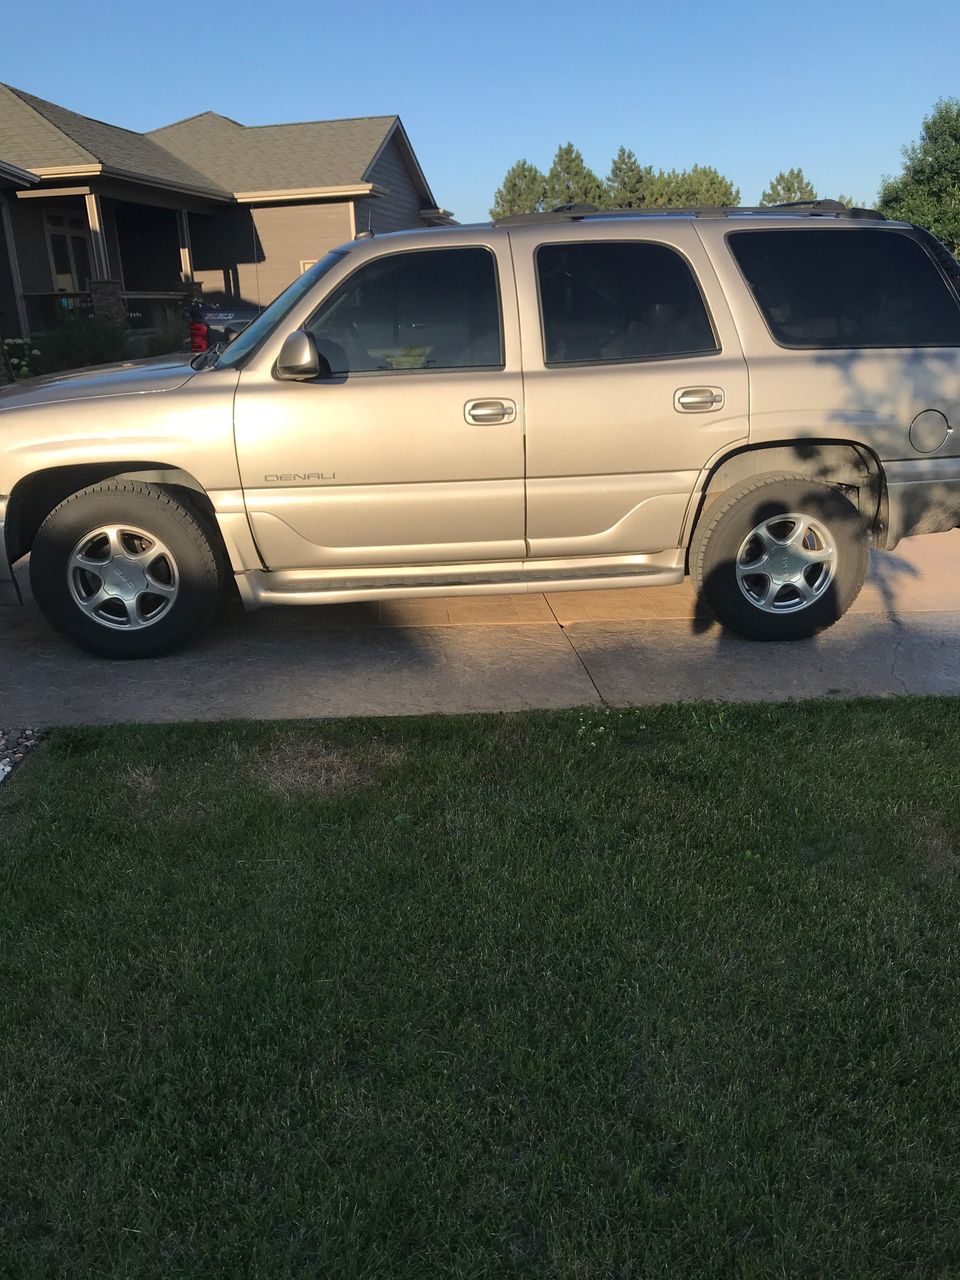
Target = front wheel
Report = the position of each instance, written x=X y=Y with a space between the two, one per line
x=780 y=558
x=125 y=570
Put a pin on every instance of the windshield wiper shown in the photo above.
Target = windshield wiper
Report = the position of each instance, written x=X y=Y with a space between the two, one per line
x=207 y=359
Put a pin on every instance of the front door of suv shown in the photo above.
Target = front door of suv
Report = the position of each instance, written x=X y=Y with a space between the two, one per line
x=411 y=450
x=635 y=380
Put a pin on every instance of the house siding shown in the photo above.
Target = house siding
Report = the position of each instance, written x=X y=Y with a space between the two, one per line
x=225 y=252
x=254 y=253
x=400 y=207
x=294 y=233
x=26 y=220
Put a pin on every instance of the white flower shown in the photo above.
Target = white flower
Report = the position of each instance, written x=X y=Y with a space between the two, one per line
x=34 y=352
x=14 y=360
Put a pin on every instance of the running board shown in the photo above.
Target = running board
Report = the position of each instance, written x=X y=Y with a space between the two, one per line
x=307 y=586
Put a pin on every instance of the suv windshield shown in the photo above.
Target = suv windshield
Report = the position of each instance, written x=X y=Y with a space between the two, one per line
x=251 y=337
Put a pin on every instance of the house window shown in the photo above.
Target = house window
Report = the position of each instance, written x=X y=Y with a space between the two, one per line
x=68 y=242
x=306 y=264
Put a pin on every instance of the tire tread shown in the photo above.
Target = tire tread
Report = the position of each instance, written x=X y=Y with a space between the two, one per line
x=735 y=496
x=208 y=560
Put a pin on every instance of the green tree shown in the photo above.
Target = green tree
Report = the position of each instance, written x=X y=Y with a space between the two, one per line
x=521 y=191
x=628 y=183
x=569 y=181
x=700 y=186
x=928 y=190
x=788 y=186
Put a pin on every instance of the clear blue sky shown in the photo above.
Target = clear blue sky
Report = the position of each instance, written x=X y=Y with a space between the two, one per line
x=749 y=87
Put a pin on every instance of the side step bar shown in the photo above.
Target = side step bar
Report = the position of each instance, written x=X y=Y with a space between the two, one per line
x=302 y=586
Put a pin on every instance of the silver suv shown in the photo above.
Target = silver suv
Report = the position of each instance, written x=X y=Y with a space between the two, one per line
x=556 y=401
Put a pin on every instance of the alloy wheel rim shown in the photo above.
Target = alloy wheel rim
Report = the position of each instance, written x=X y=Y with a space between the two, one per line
x=786 y=563
x=123 y=577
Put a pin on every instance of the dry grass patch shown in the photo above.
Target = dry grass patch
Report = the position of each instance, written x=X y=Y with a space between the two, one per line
x=139 y=781
x=291 y=765
x=300 y=766
x=936 y=850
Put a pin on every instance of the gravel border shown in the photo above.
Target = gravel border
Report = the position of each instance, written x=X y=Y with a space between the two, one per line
x=14 y=745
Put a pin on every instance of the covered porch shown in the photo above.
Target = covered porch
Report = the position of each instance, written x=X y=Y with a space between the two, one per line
x=107 y=247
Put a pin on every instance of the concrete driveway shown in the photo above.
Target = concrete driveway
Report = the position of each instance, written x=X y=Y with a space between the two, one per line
x=498 y=653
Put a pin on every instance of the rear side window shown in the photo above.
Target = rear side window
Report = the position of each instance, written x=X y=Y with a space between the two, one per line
x=609 y=301
x=857 y=288
x=426 y=309
x=941 y=254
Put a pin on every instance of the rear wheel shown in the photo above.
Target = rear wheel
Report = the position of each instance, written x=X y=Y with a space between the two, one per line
x=125 y=570
x=780 y=558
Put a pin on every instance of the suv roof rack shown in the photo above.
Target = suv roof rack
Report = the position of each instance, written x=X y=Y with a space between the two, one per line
x=575 y=212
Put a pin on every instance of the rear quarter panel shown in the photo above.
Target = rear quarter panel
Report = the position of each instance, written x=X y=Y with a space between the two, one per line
x=864 y=396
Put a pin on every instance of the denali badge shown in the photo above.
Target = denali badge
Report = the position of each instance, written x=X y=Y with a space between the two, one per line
x=299 y=475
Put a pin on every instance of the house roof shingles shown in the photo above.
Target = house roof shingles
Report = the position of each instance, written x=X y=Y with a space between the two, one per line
x=36 y=134
x=204 y=154
x=277 y=157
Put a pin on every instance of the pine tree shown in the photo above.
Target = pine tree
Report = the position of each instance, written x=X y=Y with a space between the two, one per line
x=628 y=183
x=788 y=186
x=928 y=190
x=521 y=191
x=570 y=181
x=702 y=186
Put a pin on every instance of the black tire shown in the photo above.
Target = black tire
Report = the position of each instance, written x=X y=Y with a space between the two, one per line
x=721 y=535
x=155 y=511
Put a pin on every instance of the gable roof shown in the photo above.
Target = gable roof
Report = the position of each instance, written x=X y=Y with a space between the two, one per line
x=208 y=154
x=53 y=141
x=315 y=156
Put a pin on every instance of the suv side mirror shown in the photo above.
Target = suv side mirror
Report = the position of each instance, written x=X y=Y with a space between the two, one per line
x=299 y=360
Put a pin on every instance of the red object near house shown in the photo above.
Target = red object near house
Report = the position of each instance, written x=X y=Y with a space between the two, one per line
x=199 y=336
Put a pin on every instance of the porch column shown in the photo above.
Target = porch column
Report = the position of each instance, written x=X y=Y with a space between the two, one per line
x=186 y=249
x=101 y=263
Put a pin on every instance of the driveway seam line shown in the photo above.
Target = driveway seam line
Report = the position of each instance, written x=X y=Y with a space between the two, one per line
x=579 y=656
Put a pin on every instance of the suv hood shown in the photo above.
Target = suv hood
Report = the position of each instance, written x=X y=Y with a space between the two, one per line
x=132 y=377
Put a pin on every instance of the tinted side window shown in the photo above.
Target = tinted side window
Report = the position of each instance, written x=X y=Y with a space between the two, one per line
x=427 y=309
x=939 y=251
x=857 y=288
x=619 y=300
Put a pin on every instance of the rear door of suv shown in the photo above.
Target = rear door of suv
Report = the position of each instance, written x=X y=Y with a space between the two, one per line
x=634 y=380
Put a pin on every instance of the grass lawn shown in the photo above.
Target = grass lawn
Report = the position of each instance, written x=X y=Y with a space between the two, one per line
x=662 y=993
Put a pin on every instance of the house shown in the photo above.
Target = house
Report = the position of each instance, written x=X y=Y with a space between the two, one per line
x=99 y=217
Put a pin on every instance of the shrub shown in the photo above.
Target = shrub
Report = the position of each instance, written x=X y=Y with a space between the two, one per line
x=169 y=336
x=18 y=358
x=81 y=340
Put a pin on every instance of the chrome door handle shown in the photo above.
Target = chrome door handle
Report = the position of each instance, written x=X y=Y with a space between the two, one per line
x=698 y=399
x=483 y=411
